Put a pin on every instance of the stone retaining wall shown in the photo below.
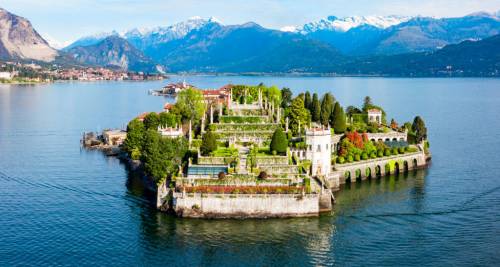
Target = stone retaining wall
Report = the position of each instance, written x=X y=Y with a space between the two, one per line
x=245 y=205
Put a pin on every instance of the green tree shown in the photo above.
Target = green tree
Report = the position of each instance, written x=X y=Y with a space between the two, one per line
x=326 y=108
x=286 y=97
x=152 y=121
x=172 y=151
x=367 y=103
x=338 y=119
x=168 y=119
x=299 y=115
x=273 y=94
x=208 y=143
x=190 y=105
x=419 y=129
x=151 y=156
x=135 y=136
x=308 y=101
x=279 y=142
x=315 y=109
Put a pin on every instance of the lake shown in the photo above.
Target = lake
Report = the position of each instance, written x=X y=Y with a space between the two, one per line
x=61 y=205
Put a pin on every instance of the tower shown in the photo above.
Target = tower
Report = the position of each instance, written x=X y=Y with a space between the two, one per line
x=319 y=150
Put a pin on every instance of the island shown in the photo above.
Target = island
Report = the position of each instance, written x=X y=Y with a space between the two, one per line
x=245 y=151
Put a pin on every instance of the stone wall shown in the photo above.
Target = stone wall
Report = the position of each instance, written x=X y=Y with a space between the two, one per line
x=377 y=167
x=245 y=205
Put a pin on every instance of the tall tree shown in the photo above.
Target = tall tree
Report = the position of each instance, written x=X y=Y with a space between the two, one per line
x=419 y=129
x=308 y=100
x=367 y=103
x=315 y=108
x=135 y=136
x=168 y=119
x=327 y=104
x=299 y=115
x=286 y=97
x=190 y=105
x=338 y=119
x=151 y=156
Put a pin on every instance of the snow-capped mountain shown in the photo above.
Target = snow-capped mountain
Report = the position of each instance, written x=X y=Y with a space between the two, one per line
x=92 y=39
x=333 y=23
x=143 y=38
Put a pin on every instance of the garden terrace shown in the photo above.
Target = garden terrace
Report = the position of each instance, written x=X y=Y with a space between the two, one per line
x=230 y=180
x=243 y=119
x=247 y=112
x=270 y=160
x=206 y=171
x=275 y=169
x=247 y=127
x=261 y=189
x=214 y=160
x=245 y=136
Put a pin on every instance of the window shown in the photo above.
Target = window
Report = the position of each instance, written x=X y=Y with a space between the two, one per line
x=319 y=148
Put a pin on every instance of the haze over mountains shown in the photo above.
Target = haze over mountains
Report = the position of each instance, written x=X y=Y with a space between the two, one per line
x=352 y=45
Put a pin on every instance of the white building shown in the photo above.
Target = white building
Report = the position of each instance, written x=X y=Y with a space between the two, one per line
x=170 y=132
x=375 y=115
x=5 y=75
x=319 y=150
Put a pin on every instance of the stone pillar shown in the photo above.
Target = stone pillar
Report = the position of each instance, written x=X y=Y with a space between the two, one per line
x=373 y=172
x=286 y=124
x=278 y=118
x=211 y=114
x=203 y=123
x=190 y=133
x=220 y=111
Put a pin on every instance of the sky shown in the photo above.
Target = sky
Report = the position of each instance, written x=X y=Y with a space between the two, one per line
x=63 y=21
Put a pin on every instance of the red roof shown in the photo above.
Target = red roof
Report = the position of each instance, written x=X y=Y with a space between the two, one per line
x=167 y=106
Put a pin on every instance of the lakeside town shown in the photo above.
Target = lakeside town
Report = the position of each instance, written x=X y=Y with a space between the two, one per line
x=17 y=72
x=256 y=151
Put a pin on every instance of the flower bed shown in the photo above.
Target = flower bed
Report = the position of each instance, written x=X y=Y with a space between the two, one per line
x=243 y=189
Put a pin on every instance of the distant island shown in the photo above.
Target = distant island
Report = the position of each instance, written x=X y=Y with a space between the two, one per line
x=257 y=151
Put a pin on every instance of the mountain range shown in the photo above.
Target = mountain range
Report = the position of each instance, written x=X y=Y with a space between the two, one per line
x=378 y=45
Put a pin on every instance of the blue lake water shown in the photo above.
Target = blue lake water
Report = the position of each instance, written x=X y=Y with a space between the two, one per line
x=61 y=205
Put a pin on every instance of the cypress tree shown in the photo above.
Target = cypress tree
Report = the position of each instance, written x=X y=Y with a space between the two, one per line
x=308 y=101
x=326 y=108
x=339 y=125
x=315 y=108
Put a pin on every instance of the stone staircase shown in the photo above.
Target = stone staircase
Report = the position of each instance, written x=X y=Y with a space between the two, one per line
x=243 y=152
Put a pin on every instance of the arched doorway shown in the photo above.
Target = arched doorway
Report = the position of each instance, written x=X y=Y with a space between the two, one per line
x=347 y=176
x=396 y=168
x=358 y=174
x=387 y=169
x=378 y=171
x=415 y=164
x=405 y=166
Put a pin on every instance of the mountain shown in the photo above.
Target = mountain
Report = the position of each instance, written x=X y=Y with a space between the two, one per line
x=468 y=58
x=19 y=41
x=91 y=39
x=395 y=35
x=115 y=52
x=244 y=48
x=145 y=39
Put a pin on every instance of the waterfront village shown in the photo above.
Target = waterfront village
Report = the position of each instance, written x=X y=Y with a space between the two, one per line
x=19 y=72
x=257 y=151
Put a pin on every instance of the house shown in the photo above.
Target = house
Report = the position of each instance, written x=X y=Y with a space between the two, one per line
x=375 y=115
x=114 y=137
x=6 y=75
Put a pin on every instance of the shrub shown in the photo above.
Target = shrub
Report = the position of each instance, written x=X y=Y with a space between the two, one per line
x=279 y=142
x=340 y=160
x=373 y=155
x=402 y=150
x=395 y=151
x=380 y=153
x=357 y=157
x=364 y=156
x=221 y=175
x=262 y=175
x=387 y=152
x=208 y=143
x=349 y=158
